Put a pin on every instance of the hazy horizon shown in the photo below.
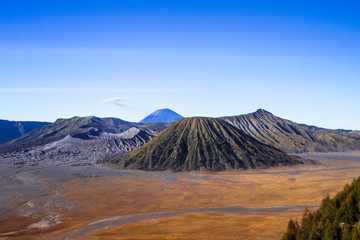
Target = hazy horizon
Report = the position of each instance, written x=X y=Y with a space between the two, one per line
x=299 y=60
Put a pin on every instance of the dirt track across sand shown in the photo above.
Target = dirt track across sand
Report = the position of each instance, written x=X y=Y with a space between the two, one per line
x=90 y=201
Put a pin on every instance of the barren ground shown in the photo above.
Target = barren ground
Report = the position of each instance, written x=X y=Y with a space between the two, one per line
x=94 y=202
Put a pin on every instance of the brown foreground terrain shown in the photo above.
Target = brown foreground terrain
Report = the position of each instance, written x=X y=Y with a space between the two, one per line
x=93 y=202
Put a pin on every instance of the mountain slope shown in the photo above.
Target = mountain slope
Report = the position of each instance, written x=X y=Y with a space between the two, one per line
x=10 y=130
x=292 y=137
x=84 y=128
x=337 y=218
x=202 y=143
x=162 y=115
x=79 y=149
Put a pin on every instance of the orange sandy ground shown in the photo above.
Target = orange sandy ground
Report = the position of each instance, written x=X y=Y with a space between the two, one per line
x=102 y=198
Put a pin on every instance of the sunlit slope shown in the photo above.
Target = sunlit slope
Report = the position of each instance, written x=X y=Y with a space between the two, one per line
x=201 y=143
x=292 y=137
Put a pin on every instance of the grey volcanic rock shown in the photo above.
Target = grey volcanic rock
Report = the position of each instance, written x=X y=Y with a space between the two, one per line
x=162 y=115
x=10 y=130
x=80 y=127
x=81 y=150
x=81 y=140
x=292 y=137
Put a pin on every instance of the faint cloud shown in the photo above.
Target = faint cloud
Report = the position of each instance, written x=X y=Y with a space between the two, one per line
x=31 y=51
x=118 y=101
x=89 y=90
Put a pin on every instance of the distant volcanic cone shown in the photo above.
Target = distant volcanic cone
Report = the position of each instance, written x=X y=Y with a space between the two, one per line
x=162 y=115
x=201 y=143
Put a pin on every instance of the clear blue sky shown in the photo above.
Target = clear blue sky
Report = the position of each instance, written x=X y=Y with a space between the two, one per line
x=297 y=59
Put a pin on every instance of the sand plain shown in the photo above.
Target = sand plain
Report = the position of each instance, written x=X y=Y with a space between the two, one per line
x=94 y=202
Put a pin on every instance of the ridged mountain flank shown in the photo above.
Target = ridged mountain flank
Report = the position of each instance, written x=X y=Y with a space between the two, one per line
x=84 y=128
x=201 y=143
x=292 y=137
x=162 y=115
x=13 y=129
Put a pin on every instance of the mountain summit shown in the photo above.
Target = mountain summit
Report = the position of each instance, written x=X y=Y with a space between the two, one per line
x=162 y=115
x=201 y=143
x=292 y=137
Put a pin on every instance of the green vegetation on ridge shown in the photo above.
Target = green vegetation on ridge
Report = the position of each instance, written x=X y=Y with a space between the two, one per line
x=337 y=218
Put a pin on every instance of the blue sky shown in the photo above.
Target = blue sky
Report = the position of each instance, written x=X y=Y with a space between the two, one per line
x=297 y=59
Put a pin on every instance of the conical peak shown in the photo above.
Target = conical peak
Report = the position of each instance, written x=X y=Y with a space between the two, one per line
x=162 y=115
x=196 y=119
x=164 y=109
x=263 y=112
x=202 y=143
x=199 y=122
